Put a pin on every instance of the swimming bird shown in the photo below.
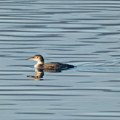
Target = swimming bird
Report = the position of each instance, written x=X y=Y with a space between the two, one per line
x=53 y=66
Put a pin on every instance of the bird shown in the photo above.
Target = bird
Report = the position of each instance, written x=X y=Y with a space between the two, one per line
x=52 y=66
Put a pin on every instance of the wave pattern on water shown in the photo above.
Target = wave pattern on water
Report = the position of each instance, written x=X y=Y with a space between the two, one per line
x=84 y=33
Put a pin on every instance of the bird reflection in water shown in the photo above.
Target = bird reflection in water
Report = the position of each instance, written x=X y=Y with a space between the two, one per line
x=38 y=75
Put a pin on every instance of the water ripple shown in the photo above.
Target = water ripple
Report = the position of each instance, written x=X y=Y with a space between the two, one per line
x=84 y=33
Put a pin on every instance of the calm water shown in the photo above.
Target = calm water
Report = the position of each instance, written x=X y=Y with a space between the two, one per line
x=85 y=33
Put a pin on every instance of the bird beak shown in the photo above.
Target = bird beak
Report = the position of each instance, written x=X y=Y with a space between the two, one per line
x=31 y=58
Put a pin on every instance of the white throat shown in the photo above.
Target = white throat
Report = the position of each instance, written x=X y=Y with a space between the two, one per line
x=38 y=63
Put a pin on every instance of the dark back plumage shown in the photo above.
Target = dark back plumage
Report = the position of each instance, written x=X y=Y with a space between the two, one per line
x=57 y=66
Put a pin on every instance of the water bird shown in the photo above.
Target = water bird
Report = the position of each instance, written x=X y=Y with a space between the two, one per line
x=52 y=66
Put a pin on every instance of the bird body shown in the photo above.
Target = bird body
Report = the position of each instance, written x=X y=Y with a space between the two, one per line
x=57 y=65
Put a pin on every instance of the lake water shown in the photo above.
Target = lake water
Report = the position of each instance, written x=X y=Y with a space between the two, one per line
x=85 y=33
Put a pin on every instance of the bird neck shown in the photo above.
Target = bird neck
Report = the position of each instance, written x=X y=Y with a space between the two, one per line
x=39 y=64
